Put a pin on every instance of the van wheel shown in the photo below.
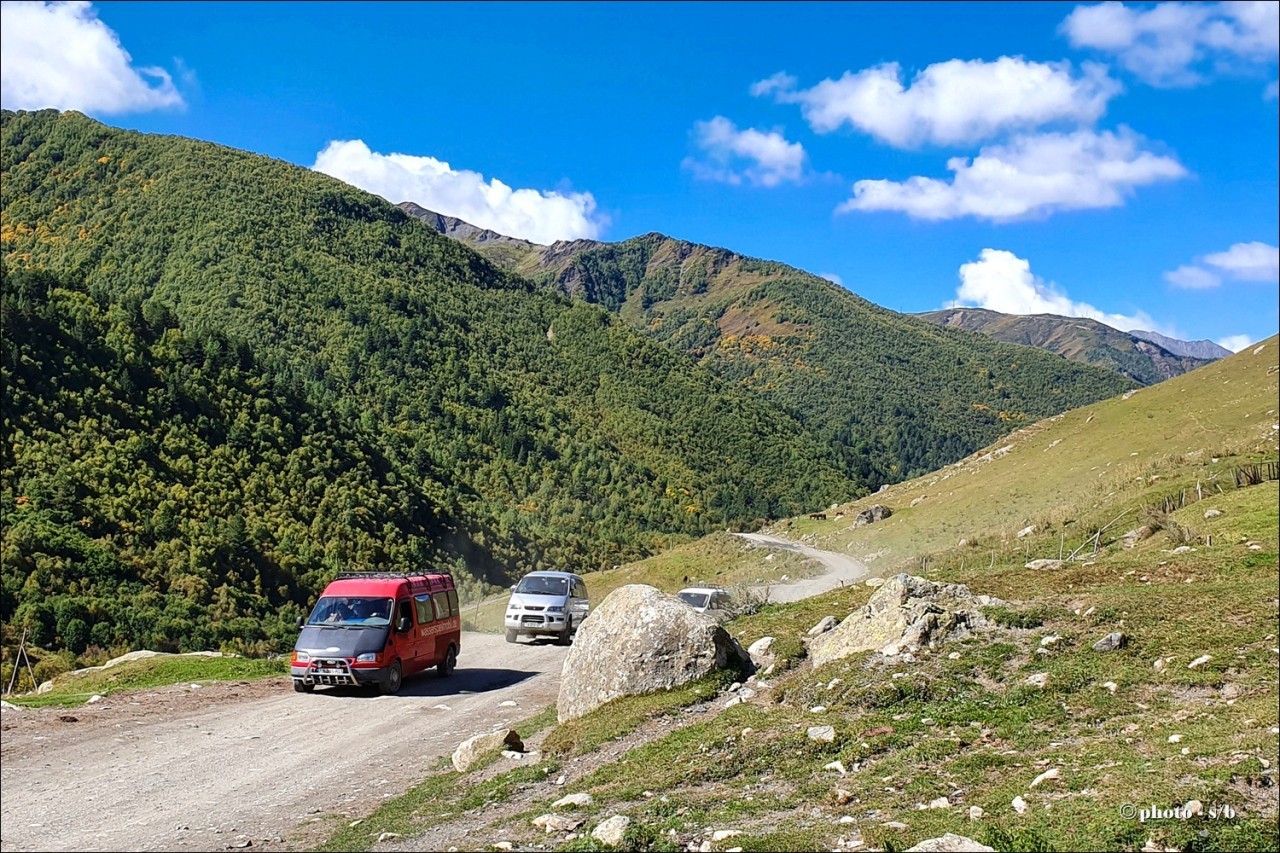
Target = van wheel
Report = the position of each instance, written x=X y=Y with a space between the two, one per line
x=566 y=637
x=394 y=677
x=302 y=687
x=449 y=664
x=512 y=635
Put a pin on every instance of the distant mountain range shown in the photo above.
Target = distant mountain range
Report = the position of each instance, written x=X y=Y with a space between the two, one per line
x=1080 y=339
x=892 y=394
x=1192 y=349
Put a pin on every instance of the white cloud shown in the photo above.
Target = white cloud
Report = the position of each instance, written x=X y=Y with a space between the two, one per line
x=950 y=102
x=832 y=277
x=60 y=55
x=733 y=156
x=1176 y=44
x=1031 y=175
x=1272 y=92
x=1002 y=281
x=1235 y=343
x=540 y=216
x=1256 y=262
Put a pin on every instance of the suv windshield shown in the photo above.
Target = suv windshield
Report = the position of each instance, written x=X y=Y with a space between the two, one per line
x=694 y=599
x=354 y=610
x=541 y=585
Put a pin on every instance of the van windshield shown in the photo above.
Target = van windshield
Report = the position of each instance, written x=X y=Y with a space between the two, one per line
x=351 y=610
x=541 y=585
x=694 y=599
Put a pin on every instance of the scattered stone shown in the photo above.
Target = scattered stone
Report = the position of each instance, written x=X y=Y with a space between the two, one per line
x=1159 y=665
x=1050 y=641
x=560 y=780
x=68 y=718
x=831 y=685
x=822 y=734
x=817 y=709
x=1113 y=641
x=919 y=500
x=843 y=797
x=1110 y=686
x=1026 y=531
x=761 y=652
x=1040 y=679
x=612 y=830
x=976 y=812
x=874 y=582
x=1043 y=564
x=894 y=824
x=573 y=801
x=950 y=843
x=501 y=845
x=1232 y=691
x=963 y=543
x=9 y=706
x=1019 y=805
x=823 y=626
x=722 y=834
x=471 y=749
x=1200 y=661
x=837 y=766
x=387 y=836
x=953 y=656
x=557 y=823
x=1193 y=807
x=1046 y=776
x=940 y=803
x=510 y=703
x=1175 y=738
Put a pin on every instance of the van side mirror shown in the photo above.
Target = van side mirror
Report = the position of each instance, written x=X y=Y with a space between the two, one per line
x=302 y=620
x=403 y=624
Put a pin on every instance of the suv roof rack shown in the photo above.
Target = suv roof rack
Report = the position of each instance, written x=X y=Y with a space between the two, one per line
x=392 y=575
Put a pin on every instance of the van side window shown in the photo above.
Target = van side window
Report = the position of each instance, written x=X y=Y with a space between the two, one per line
x=441 y=600
x=406 y=610
x=579 y=589
x=453 y=602
x=423 y=603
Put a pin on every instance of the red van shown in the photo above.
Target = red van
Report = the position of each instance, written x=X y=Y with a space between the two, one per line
x=378 y=628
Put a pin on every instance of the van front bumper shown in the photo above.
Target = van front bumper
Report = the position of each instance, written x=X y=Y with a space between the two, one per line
x=535 y=623
x=342 y=674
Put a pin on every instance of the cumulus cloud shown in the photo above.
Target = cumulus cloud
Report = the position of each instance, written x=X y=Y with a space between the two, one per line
x=1031 y=175
x=540 y=216
x=1179 y=44
x=1254 y=262
x=60 y=55
x=950 y=102
x=1002 y=281
x=1235 y=343
x=736 y=156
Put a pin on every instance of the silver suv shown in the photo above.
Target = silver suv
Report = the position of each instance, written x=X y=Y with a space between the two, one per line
x=547 y=604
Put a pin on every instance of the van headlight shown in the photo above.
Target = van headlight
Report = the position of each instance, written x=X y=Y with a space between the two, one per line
x=302 y=657
x=556 y=609
x=367 y=657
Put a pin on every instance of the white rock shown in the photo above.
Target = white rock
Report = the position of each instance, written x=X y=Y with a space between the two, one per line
x=1019 y=805
x=976 y=812
x=94 y=699
x=611 y=831
x=1046 y=776
x=894 y=824
x=817 y=709
x=1040 y=679
x=953 y=656
x=1175 y=738
x=837 y=766
x=557 y=823
x=501 y=845
x=722 y=834
x=510 y=703
x=1200 y=661
x=572 y=801
x=1110 y=686
x=822 y=734
x=940 y=803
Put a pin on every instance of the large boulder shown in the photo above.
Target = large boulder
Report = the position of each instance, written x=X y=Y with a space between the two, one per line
x=905 y=614
x=879 y=512
x=637 y=641
x=474 y=748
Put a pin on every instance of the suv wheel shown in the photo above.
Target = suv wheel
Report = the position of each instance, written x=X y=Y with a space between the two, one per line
x=566 y=637
x=512 y=635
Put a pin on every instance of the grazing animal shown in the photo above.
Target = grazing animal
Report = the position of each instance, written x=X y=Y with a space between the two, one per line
x=820 y=516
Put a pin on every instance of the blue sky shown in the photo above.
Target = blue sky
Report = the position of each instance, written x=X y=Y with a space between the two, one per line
x=1109 y=160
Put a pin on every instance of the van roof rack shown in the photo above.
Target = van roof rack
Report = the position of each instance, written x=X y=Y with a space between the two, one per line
x=392 y=575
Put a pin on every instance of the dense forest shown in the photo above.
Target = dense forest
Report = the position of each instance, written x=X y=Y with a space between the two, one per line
x=893 y=396
x=226 y=378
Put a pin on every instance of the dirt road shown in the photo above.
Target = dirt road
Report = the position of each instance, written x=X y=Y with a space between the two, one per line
x=841 y=569
x=214 y=767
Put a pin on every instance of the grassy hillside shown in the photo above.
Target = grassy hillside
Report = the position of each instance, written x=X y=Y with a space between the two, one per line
x=233 y=377
x=1077 y=338
x=1185 y=713
x=893 y=395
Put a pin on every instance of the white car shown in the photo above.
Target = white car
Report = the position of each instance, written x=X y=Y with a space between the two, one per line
x=547 y=604
x=705 y=598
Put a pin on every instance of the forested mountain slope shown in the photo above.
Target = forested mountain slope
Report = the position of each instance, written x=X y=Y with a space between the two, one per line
x=893 y=396
x=234 y=376
x=1077 y=338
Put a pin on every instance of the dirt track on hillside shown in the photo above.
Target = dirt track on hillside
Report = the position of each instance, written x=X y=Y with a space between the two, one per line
x=215 y=767
x=841 y=569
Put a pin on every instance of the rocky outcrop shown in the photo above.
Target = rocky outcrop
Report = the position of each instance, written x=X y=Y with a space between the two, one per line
x=905 y=614
x=879 y=512
x=637 y=641
x=950 y=843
